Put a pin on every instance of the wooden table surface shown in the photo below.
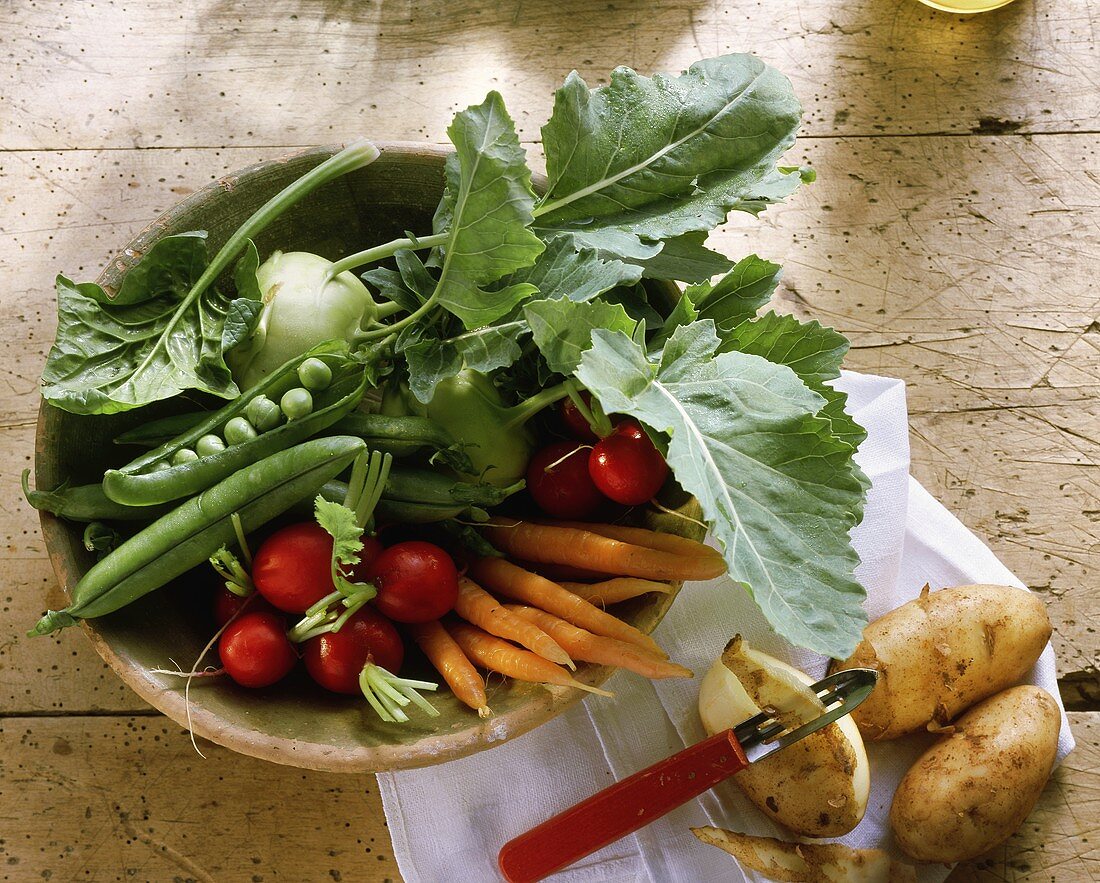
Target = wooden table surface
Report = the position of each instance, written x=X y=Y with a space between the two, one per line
x=952 y=234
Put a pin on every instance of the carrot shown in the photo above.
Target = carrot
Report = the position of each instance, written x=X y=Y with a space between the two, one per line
x=640 y=536
x=571 y=545
x=492 y=653
x=587 y=647
x=464 y=680
x=612 y=591
x=558 y=572
x=477 y=606
x=522 y=585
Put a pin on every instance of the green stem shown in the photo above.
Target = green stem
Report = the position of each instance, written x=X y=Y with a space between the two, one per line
x=352 y=157
x=384 y=311
x=597 y=419
x=524 y=411
x=378 y=252
x=414 y=316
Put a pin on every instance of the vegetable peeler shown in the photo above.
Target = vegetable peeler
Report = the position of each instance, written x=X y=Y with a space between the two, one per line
x=636 y=801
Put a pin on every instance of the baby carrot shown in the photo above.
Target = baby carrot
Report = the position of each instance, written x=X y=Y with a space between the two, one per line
x=558 y=572
x=640 y=536
x=587 y=647
x=477 y=606
x=517 y=583
x=492 y=653
x=570 y=545
x=612 y=591
x=464 y=680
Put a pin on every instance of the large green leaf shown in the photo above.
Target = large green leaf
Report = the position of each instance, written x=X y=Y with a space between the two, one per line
x=562 y=329
x=114 y=354
x=484 y=349
x=778 y=490
x=659 y=157
x=738 y=295
x=579 y=274
x=812 y=351
x=487 y=212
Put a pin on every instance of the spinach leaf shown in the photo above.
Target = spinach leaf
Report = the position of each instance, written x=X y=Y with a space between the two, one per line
x=149 y=342
x=658 y=157
x=778 y=490
x=486 y=213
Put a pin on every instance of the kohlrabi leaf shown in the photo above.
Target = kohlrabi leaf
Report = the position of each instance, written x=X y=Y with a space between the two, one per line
x=685 y=259
x=486 y=349
x=240 y=318
x=566 y=271
x=684 y=313
x=812 y=351
x=738 y=295
x=659 y=157
x=487 y=209
x=778 y=490
x=391 y=286
x=414 y=274
x=562 y=329
x=114 y=354
x=635 y=300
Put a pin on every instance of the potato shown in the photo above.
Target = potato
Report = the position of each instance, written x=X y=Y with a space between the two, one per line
x=944 y=651
x=817 y=787
x=808 y=862
x=973 y=788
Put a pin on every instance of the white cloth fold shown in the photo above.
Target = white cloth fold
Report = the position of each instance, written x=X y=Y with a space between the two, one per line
x=449 y=821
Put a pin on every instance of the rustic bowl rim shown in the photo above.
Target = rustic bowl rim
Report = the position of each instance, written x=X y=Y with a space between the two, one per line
x=431 y=749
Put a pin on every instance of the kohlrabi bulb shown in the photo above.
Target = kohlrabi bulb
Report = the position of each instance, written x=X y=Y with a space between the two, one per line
x=300 y=311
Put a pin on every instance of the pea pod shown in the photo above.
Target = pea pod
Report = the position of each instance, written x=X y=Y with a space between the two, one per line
x=196 y=529
x=145 y=481
x=86 y=502
x=157 y=432
x=404 y=436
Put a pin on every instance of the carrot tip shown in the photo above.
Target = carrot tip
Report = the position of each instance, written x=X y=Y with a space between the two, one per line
x=589 y=689
x=484 y=712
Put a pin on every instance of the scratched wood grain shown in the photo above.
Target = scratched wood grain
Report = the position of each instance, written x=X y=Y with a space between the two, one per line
x=962 y=264
x=124 y=798
x=200 y=74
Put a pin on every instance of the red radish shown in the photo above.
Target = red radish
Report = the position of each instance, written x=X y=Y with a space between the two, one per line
x=574 y=421
x=335 y=660
x=559 y=481
x=416 y=581
x=625 y=465
x=255 y=650
x=293 y=568
x=227 y=604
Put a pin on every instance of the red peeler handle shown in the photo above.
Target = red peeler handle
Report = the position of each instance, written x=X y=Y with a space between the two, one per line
x=621 y=809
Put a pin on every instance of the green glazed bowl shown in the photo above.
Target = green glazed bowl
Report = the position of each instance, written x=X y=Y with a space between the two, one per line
x=293 y=722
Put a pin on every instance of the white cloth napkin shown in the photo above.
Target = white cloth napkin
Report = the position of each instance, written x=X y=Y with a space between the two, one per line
x=448 y=822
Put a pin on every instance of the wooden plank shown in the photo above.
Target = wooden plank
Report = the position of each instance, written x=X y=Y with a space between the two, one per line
x=127 y=798
x=205 y=73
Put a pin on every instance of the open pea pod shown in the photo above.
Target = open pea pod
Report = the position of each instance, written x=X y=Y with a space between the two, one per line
x=196 y=529
x=181 y=468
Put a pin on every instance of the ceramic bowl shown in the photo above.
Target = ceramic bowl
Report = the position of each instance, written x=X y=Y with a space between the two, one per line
x=293 y=722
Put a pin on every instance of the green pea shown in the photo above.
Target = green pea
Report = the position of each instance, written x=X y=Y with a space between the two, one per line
x=184 y=455
x=296 y=403
x=314 y=374
x=209 y=444
x=263 y=413
x=160 y=466
x=238 y=431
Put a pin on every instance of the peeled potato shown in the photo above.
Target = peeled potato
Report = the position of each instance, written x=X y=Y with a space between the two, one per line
x=973 y=788
x=939 y=654
x=817 y=787
x=808 y=862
